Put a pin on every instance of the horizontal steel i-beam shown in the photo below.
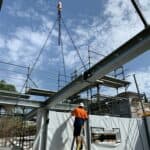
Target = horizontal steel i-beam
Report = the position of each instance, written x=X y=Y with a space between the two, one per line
x=16 y=101
x=128 y=51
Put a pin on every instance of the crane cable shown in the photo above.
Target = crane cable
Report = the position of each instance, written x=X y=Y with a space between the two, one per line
x=60 y=42
x=73 y=43
x=63 y=57
x=42 y=48
x=36 y=60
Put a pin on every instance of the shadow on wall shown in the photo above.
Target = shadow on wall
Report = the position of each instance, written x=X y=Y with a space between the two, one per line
x=141 y=143
x=58 y=142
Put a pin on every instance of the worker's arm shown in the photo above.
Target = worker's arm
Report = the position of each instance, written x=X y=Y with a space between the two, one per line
x=73 y=112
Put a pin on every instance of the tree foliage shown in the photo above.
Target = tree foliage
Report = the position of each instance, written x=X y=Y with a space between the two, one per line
x=8 y=87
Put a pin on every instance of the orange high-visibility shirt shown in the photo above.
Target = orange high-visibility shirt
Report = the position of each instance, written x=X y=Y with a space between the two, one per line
x=80 y=113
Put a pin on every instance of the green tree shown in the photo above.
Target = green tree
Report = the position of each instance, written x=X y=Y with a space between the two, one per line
x=8 y=87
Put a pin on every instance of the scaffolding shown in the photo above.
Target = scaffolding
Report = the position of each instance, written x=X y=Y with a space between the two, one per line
x=23 y=131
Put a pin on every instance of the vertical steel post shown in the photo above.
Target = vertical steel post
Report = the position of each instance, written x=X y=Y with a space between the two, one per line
x=98 y=93
x=144 y=118
x=89 y=57
x=88 y=137
x=43 y=129
x=27 y=80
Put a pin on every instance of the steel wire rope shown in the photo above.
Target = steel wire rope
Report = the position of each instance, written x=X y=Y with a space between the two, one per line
x=16 y=65
x=21 y=90
x=22 y=87
x=81 y=67
x=54 y=76
x=33 y=82
x=97 y=53
x=2 y=69
x=63 y=57
x=12 y=64
x=78 y=70
x=12 y=77
x=42 y=48
x=52 y=73
x=75 y=47
x=37 y=58
x=51 y=77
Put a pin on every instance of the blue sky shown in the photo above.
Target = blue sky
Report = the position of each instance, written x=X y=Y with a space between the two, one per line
x=103 y=25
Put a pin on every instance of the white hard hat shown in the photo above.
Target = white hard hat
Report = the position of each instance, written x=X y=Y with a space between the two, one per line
x=81 y=104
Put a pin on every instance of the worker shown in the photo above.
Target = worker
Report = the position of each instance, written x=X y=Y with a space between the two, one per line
x=80 y=116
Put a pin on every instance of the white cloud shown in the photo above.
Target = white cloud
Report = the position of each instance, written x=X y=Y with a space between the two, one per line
x=143 y=80
x=35 y=12
x=24 y=45
x=19 y=51
x=122 y=23
x=71 y=58
x=17 y=80
x=144 y=6
x=35 y=38
x=119 y=24
x=19 y=13
x=2 y=42
x=53 y=61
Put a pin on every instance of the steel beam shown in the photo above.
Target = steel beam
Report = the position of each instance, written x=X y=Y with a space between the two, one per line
x=125 y=53
x=131 y=49
x=31 y=114
x=13 y=94
x=40 y=92
x=16 y=101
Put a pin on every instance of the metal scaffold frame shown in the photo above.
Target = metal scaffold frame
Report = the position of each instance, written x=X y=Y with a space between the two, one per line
x=131 y=49
x=125 y=53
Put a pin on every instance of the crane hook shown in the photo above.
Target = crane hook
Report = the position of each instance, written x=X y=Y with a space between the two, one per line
x=59 y=6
